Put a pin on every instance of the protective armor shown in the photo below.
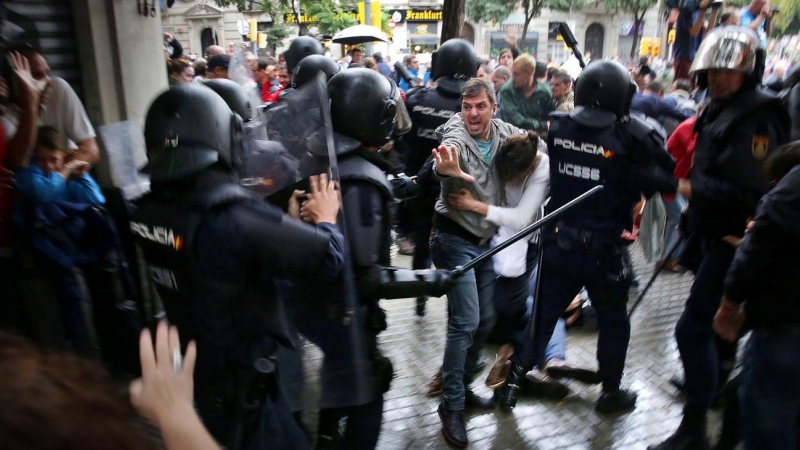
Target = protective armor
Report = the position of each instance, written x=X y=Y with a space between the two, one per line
x=366 y=107
x=234 y=96
x=309 y=66
x=187 y=129
x=605 y=85
x=300 y=48
x=454 y=62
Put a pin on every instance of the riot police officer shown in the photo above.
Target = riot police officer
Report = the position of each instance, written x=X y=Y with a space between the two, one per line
x=366 y=109
x=738 y=129
x=301 y=47
x=596 y=144
x=453 y=64
x=214 y=251
x=309 y=66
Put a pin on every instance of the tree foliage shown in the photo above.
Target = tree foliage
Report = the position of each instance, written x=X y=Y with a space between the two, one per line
x=637 y=8
x=329 y=13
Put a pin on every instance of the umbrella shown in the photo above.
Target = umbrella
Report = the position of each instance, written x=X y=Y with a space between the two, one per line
x=359 y=34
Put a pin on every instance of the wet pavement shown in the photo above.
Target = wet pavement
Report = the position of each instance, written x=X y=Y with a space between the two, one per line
x=416 y=345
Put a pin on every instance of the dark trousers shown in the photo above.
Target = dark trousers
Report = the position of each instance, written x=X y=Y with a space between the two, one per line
x=696 y=338
x=363 y=424
x=511 y=301
x=564 y=273
x=274 y=427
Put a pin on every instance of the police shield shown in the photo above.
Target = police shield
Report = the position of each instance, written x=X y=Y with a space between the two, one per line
x=126 y=154
x=289 y=141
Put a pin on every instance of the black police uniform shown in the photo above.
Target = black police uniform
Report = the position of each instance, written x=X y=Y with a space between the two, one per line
x=734 y=137
x=585 y=247
x=428 y=109
x=213 y=252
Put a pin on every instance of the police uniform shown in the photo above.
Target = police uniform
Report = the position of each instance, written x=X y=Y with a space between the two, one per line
x=735 y=135
x=214 y=252
x=428 y=109
x=594 y=146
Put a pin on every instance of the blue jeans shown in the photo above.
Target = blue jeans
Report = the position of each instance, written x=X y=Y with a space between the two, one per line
x=471 y=312
x=671 y=232
x=770 y=393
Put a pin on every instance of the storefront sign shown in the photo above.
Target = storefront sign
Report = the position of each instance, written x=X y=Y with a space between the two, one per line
x=423 y=28
x=415 y=15
x=626 y=28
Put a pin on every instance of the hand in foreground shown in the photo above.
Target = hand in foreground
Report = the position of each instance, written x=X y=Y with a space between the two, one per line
x=323 y=201
x=28 y=88
x=729 y=320
x=294 y=205
x=464 y=201
x=163 y=393
x=447 y=163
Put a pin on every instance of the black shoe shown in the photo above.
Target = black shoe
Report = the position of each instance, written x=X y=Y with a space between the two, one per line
x=583 y=375
x=540 y=385
x=481 y=364
x=453 y=428
x=683 y=440
x=506 y=395
x=421 y=301
x=472 y=400
x=620 y=400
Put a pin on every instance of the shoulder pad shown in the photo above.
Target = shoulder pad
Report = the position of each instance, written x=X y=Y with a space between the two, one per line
x=642 y=128
x=356 y=168
x=595 y=118
x=217 y=196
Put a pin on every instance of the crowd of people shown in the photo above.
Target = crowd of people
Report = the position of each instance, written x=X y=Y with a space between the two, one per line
x=248 y=275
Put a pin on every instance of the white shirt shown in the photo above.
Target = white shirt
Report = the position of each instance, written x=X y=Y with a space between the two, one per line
x=62 y=111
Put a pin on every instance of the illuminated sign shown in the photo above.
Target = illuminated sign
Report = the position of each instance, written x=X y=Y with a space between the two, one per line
x=415 y=15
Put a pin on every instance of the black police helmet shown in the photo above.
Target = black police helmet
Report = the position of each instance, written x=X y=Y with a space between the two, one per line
x=309 y=66
x=300 y=48
x=234 y=96
x=605 y=85
x=363 y=107
x=189 y=128
x=453 y=64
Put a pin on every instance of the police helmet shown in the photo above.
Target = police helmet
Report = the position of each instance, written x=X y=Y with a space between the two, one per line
x=453 y=64
x=606 y=85
x=300 y=48
x=309 y=66
x=365 y=107
x=730 y=48
x=234 y=96
x=189 y=128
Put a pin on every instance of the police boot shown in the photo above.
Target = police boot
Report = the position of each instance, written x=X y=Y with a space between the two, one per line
x=615 y=401
x=506 y=395
x=691 y=434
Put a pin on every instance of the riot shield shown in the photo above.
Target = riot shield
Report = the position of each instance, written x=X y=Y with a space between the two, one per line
x=288 y=142
x=126 y=154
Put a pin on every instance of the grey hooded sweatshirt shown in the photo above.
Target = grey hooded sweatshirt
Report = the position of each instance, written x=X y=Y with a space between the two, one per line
x=486 y=186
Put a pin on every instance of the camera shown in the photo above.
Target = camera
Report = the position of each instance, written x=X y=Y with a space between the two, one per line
x=717 y=4
x=776 y=9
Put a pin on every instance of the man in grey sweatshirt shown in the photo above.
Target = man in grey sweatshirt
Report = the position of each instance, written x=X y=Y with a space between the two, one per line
x=469 y=143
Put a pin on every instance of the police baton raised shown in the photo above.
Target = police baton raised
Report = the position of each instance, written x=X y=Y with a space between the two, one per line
x=571 y=42
x=461 y=270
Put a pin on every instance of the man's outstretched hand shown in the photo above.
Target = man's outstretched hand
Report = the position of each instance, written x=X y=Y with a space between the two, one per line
x=447 y=163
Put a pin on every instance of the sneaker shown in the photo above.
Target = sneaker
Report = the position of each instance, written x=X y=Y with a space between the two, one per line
x=453 y=427
x=473 y=400
x=560 y=369
x=405 y=246
x=435 y=386
x=541 y=385
x=620 y=400
x=497 y=376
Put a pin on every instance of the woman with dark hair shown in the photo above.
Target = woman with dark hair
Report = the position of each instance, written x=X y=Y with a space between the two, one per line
x=523 y=170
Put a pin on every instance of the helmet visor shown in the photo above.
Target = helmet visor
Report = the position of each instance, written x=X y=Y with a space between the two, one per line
x=730 y=48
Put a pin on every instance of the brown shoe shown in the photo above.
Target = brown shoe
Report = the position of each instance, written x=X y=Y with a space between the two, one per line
x=435 y=386
x=497 y=376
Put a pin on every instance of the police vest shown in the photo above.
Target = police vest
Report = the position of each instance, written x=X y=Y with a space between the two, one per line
x=226 y=313
x=355 y=168
x=428 y=109
x=580 y=159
